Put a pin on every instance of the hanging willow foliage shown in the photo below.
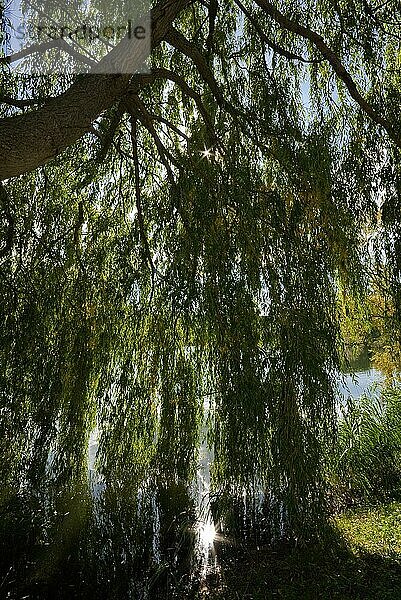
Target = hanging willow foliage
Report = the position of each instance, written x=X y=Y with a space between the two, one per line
x=187 y=254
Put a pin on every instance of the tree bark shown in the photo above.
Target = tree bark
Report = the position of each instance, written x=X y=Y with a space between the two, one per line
x=34 y=138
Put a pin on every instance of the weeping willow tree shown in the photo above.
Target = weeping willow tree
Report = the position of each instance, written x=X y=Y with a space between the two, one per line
x=187 y=237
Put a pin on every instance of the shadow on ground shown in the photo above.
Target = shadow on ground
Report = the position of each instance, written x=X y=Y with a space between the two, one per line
x=302 y=574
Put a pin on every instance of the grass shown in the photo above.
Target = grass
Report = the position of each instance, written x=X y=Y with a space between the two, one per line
x=376 y=530
x=365 y=564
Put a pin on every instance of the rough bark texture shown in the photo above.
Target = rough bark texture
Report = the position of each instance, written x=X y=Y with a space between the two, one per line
x=34 y=138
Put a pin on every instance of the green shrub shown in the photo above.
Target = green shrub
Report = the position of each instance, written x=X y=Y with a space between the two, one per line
x=366 y=463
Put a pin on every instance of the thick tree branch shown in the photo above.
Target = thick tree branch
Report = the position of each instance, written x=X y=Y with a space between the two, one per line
x=138 y=111
x=43 y=47
x=34 y=138
x=212 y=17
x=21 y=103
x=335 y=62
x=180 y=42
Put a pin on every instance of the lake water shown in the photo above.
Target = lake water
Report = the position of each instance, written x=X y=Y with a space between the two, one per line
x=358 y=384
x=119 y=544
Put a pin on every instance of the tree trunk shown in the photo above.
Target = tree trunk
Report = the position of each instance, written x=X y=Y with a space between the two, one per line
x=32 y=139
